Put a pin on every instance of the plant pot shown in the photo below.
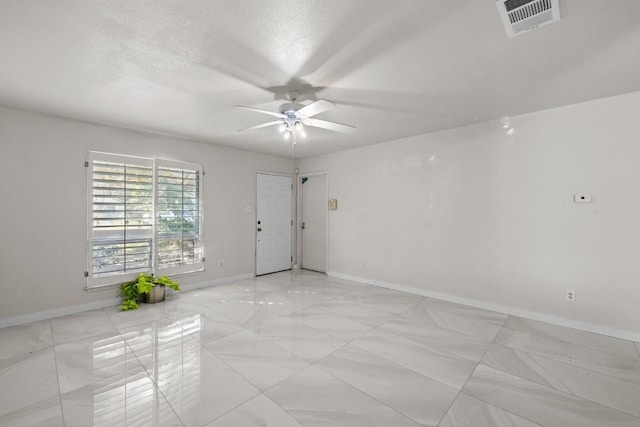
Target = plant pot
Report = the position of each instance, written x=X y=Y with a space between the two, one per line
x=156 y=294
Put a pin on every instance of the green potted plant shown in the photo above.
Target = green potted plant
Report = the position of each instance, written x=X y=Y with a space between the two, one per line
x=153 y=289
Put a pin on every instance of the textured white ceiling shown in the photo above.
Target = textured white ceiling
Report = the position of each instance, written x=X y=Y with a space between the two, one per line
x=395 y=68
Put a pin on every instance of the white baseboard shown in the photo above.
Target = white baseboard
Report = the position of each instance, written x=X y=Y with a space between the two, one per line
x=73 y=309
x=221 y=281
x=57 y=312
x=514 y=311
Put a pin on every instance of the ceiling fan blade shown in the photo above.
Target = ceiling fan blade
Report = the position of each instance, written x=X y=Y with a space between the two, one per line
x=325 y=124
x=317 y=107
x=262 y=125
x=257 y=110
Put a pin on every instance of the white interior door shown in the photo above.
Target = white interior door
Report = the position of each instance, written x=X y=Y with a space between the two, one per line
x=314 y=222
x=273 y=223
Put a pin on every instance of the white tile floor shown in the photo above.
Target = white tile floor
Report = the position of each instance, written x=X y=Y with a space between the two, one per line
x=300 y=348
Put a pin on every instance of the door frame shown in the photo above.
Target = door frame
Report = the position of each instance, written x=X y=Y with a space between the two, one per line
x=299 y=195
x=255 y=217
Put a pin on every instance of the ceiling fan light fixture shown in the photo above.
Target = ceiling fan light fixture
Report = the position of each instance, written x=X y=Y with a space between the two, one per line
x=292 y=115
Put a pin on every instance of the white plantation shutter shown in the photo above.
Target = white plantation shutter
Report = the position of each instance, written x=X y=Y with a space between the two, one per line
x=179 y=217
x=144 y=216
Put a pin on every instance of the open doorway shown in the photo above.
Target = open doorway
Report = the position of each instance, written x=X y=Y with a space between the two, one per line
x=313 y=226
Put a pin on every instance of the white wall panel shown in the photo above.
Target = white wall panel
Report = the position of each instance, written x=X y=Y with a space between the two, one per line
x=43 y=206
x=486 y=212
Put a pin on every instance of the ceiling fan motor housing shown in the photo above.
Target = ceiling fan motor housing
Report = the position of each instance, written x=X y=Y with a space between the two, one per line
x=290 y=107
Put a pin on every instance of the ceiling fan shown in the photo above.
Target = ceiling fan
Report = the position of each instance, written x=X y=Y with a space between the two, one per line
x=293 y=117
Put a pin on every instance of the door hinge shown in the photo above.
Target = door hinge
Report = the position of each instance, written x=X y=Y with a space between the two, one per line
x=86 y=164
x=86 y=274
x=291 y=258
x=292 y=222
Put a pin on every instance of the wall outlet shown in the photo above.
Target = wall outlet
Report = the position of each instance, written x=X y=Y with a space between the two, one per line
x=571 y=295
x=220 y=263
x=582 y=198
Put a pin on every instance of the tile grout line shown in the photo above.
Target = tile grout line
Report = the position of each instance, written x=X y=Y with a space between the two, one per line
x=285 y=411
x=545 y=385
x=261 y=392
x=548 y=335
x=311 y=364
x=406 y=367
x=362 y=391
x=236 y=407
x=155 y=385
x=55 y=362
x=568 y=393
x=556 y=390
x=471 y=375
x=317 y=366
x=544 y=356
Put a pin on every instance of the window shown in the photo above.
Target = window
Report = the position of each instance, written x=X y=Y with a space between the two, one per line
x=179 y=245
x=145 y=215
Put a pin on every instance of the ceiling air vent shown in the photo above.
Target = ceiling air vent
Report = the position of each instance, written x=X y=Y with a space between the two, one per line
x=520 y=16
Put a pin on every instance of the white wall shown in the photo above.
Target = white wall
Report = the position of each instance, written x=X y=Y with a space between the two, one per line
x=43 y=206
x=481 y=214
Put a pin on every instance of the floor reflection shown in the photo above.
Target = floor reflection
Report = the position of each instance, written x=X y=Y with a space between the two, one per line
x=170 y=357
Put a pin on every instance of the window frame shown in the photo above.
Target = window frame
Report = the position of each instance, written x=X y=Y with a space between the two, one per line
x=98 y=282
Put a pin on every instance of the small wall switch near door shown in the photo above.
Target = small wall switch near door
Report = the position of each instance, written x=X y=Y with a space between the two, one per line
x=571 y=295
x=582 y=198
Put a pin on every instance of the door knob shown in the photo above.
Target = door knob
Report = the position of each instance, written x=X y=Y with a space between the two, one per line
x=302 y=226
x=259 y=229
